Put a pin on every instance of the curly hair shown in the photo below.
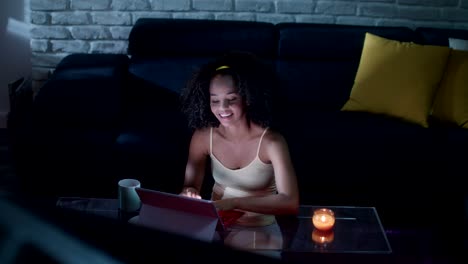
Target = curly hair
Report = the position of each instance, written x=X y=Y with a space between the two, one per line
x=254 y=80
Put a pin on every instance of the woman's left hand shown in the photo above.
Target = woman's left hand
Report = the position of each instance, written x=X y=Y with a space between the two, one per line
x=225 y=204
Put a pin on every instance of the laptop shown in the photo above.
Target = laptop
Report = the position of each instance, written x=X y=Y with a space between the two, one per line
x=196 y=218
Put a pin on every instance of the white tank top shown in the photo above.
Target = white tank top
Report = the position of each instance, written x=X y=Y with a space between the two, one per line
x=255 y=179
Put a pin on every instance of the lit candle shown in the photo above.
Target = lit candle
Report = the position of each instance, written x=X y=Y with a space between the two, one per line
x=323 y=219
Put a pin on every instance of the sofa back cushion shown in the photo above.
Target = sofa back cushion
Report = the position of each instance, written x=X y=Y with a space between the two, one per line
x=167 y=73
x=438 y=36
x=165 y=52
x=190 y=37
x=317 y=63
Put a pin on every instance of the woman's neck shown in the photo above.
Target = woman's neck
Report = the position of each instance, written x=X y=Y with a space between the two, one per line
x=237 y=133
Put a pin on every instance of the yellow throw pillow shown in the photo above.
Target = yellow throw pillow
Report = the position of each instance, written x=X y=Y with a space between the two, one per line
x=451 y=99
x=397 y=78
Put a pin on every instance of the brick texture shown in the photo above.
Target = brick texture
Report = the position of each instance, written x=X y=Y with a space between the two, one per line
x=62 y=27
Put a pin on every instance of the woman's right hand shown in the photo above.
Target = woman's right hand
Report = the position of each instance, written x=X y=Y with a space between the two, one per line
x=191 y=192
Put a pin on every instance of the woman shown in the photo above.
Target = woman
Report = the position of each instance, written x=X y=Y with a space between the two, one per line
x=227 y=103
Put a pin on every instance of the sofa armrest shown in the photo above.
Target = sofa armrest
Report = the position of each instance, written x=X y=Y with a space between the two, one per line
x=85 y=90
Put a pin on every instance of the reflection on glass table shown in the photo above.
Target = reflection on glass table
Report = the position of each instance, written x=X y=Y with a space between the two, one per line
x=266 y=240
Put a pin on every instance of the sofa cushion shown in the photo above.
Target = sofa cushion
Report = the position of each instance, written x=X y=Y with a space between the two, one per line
x=167 y=73
x=151 y=38
x=156 y=157
x=451 y=99
x=166 y=52
x=153 y=141
x=438 y=36
x=361 y=153
x=320 y=85
x=86 y=61
x=397 y=78
x=330 y=41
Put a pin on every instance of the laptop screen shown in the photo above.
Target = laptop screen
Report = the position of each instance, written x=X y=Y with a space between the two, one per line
x=188 y=205
x=177 y=202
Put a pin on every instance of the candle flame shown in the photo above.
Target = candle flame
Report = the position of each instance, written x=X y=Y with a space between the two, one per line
x=323 y=218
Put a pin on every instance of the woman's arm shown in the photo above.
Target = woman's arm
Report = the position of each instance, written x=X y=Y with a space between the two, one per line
x=195 y=168
x=286 y=201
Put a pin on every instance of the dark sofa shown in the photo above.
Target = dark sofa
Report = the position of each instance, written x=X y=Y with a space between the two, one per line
x=99 y=117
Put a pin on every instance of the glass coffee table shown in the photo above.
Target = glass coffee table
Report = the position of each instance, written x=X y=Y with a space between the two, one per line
x=357 y=231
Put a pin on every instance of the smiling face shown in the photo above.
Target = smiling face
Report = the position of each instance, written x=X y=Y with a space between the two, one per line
x=225 y=102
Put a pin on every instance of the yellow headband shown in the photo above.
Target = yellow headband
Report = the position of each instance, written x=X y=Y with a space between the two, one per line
x=222 y=67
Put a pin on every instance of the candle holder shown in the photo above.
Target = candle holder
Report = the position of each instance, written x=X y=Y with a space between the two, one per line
x=323 y=219
x=323 y=237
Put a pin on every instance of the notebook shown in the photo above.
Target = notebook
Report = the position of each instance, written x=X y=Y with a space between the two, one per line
x=196 y=218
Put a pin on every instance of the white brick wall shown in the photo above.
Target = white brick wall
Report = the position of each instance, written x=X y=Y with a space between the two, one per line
x=61 y=27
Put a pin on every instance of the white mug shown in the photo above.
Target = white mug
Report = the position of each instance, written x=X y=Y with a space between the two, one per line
x=129 y=201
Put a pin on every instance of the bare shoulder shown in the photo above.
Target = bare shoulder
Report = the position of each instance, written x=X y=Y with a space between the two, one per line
x=201 y=140
x=274 y=147
x=201 y=133
x=274 y=141
x=274 y=137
